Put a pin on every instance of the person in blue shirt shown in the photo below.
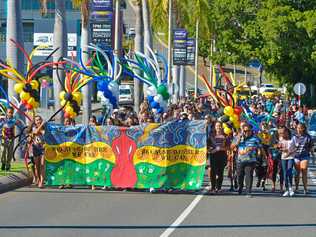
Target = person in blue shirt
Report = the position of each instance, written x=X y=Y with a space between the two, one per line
x=8 y=124
x=249 y=148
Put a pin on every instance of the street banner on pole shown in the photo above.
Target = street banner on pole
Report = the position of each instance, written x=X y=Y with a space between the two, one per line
x=102 y=23
x=171 y=155
x=180 y=46
x=190 y=51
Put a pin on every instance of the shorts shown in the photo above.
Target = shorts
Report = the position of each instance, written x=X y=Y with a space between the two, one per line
x=299 y=159
x=38 y=151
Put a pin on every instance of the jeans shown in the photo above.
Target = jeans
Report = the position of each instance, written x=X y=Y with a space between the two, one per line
x=287 y=168
x=218 y=162
x=245 y=171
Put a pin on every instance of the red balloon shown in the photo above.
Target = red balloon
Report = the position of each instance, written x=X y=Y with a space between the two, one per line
x=238 y=110
x=24 y=102
x=28 y=106
x=66 y=115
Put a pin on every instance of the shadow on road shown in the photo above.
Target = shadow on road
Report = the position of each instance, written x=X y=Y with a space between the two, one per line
x=133 y=227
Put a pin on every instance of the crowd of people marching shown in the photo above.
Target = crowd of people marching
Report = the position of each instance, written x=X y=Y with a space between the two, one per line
x=278 y=151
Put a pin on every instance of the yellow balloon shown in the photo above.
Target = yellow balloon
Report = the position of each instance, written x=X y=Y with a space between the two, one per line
x=25 y=95
x=36 y=104
x=227 y=131
x=237 y=125
x=31 y=101
x=233 y=118
x=225 y=125
x=18 y=87
x=34 y=84
x=62 y=102
x=77 y=96
x=73 y=115
x=62 y=95
x=228 y=110
x=69 y=110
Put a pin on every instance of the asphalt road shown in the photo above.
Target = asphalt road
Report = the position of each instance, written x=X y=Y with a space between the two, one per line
x=82 y=212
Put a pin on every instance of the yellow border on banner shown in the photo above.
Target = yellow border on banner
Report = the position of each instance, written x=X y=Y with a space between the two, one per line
x=84 y=154
x=165 y=157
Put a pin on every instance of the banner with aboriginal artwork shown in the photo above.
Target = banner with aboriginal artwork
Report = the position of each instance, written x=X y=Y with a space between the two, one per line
x=161 y=156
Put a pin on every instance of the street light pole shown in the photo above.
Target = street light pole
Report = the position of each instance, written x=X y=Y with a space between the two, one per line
x=117 y=32
x=170 y=43
x=196 y=67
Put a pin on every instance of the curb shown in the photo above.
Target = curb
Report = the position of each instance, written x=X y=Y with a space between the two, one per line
x=14 y=181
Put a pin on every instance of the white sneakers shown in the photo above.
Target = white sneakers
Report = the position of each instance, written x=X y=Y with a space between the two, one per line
x=288 y=193
x=291 y=192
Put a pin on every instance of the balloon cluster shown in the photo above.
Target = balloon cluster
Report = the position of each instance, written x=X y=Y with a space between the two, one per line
x=103 y=73
x=27 y=85
x=71 y=102
x=157 y=91
x=158 y=97
x=231 y=119
x=29 y=93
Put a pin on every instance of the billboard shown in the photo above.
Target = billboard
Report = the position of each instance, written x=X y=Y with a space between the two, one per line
x=179 y=46
x=102 y=23
x=48 y=40
x=190 y=51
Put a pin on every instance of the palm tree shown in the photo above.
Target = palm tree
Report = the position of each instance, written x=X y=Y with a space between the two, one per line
x=139 y=46
x=15 y=32
x=60 y=42
x=14 y=56
x=84 y=7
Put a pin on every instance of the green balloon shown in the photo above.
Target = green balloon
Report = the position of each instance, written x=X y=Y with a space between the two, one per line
x=166 y=95
x=162 y=89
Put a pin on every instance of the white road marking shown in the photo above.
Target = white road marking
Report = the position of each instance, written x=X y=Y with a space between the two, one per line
x=184 y=214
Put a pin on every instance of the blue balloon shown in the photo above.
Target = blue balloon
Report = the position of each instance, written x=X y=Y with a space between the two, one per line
x=154 y=104
x=102 y=85
x=150 y=98
x=160 y=110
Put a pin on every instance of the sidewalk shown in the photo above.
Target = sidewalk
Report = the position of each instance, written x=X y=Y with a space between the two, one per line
x=16 y=178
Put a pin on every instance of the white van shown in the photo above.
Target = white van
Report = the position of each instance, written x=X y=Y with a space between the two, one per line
x=126 y=96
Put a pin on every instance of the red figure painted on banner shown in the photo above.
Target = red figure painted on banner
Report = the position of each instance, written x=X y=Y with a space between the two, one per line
x=124 y=174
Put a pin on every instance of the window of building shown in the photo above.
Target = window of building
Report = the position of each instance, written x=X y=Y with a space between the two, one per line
x=28 y=31
x=3 y=32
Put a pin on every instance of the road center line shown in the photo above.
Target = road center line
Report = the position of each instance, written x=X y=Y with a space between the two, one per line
x=183 y=215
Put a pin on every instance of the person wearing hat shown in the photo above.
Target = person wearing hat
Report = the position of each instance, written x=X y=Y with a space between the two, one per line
x=115 y=118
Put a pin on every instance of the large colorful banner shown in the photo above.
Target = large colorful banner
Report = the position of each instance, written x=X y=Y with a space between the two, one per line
x=170 y=155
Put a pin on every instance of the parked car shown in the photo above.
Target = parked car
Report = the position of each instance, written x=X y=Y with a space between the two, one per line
x=271 y=93
x=126 y=96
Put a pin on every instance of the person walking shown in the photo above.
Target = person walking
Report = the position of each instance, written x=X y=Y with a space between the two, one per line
x=218 y=157
x=303 y=144
x=37 y=137
x=249 y=148
x=287 y=158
